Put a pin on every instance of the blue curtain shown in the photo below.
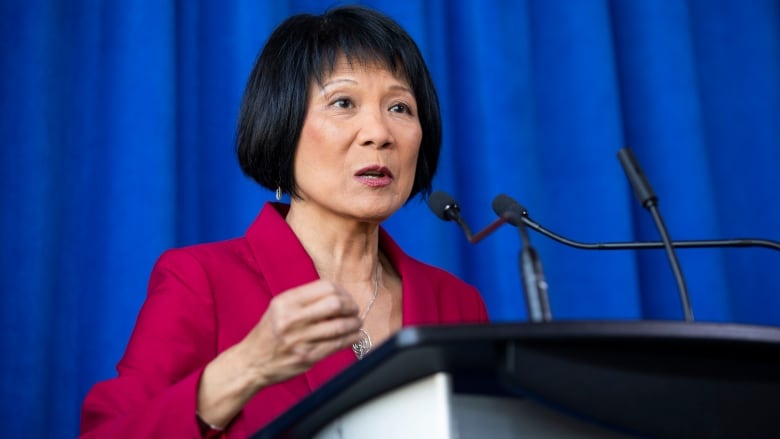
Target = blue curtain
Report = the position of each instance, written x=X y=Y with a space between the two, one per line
x=117 y=124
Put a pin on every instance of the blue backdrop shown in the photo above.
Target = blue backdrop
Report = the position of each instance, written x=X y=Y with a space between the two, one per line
x=117 y=124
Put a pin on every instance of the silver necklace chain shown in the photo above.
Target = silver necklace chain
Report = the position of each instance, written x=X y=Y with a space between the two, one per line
x=363 y=345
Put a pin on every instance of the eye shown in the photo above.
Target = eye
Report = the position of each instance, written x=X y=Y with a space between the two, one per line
x=342 y=103
x=401 y=108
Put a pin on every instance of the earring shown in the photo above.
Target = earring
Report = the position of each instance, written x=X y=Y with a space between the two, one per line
x=278 y=193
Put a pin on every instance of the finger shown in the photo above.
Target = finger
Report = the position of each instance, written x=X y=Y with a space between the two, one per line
x=321 y=331
x=331 y=329
x=290 y=314
x=330 y=306
x=308 y=353
x=314 y=291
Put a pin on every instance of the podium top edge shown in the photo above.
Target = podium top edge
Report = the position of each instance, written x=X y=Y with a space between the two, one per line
x=591 y=329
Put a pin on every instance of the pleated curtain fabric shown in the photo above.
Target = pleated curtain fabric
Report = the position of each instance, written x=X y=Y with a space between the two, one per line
x=117 y=125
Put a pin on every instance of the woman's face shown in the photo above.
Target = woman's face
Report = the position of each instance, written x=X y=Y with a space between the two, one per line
x=358 y=148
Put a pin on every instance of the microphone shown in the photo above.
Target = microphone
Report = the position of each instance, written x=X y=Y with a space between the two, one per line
x=535 y=286
x=647 y=198
x=643 y=245
x=531 y=273
x=446 y=208
x=517 y=213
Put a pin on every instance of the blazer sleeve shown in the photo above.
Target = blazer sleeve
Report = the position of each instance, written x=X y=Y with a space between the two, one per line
x=155 y=392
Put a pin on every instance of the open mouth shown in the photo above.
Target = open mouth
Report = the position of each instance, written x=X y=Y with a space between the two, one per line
x=375 y=172
x=372 y=174
x=375 y=176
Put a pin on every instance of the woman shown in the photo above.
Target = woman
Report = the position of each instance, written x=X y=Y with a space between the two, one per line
x=341 y=114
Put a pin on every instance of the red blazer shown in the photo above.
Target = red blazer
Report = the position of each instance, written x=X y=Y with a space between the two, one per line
x=205 y=298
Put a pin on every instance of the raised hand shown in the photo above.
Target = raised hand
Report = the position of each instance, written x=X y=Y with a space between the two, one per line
x=300 y=327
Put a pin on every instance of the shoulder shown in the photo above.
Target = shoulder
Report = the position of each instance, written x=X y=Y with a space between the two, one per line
x=208 y=253
x=266 y=236
x=205 y=254
x=200 y=263
x=422 y=272
x=442 y=280
x=436 y=274
x=433 y=289
x=456 y=301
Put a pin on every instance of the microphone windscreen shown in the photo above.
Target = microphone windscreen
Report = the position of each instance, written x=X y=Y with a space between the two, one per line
x=506 y=207
x=440 y=203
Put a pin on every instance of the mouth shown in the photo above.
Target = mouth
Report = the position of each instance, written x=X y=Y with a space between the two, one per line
x=374 y=172
x=375 y=176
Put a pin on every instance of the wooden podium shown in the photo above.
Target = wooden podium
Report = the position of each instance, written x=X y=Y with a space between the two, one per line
x=559 y=379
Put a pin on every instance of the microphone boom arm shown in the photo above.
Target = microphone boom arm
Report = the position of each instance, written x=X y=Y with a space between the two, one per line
x=473 y=239
x=641 y=245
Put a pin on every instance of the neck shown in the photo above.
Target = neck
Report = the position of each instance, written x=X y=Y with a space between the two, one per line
x=345 y=251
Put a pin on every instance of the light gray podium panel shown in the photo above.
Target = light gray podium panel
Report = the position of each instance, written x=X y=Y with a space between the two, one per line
x=429 y=409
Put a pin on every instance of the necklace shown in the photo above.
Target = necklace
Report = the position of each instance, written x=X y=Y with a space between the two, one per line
x=363 y=345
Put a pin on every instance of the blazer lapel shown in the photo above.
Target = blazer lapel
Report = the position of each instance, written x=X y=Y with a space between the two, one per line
x=418 y=304
x=285 y=264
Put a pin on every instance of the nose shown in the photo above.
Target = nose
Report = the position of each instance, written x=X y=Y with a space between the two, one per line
x=375 y=129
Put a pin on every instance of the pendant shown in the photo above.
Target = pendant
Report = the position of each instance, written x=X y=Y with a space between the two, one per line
x=363 y=345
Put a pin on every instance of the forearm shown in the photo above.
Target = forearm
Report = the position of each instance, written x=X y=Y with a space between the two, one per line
x=227 y=384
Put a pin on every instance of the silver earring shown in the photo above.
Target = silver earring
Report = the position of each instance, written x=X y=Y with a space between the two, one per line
x=278 y=193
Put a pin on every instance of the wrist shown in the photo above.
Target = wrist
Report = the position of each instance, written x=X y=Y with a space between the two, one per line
x=224 y=388
x=208 y=431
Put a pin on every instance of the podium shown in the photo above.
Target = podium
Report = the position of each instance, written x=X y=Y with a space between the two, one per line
x=558 y=379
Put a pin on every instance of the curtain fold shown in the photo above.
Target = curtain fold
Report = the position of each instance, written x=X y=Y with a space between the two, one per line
x=117 y=123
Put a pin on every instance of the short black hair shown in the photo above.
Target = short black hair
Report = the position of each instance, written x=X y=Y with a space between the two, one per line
x=305 y=48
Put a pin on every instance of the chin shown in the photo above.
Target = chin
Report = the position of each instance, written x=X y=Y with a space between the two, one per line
x=375 y=216
x=373 y=207
x=373 y=212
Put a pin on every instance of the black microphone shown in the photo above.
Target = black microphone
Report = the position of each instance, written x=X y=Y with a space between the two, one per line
x=647 y=198
x=531 y=273
x=446 y=208
x=515 y=212
x=644 y=245
x=534 y=284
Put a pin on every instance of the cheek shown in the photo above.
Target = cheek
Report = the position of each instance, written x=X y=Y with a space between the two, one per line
x=412 y=159
x=312 y=151
x=415 y=151
x=410 y=165
x=414 y=141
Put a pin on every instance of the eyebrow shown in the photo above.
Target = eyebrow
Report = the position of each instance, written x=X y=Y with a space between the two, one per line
x=336 y=81
x=398 y=87
x=402 y=88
